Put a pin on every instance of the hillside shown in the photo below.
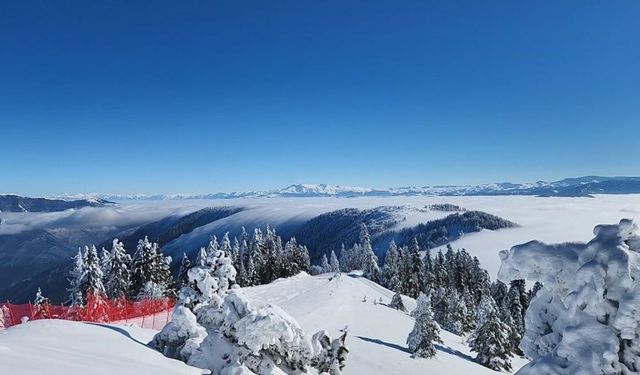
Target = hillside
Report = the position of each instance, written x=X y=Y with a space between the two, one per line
x=376 y=338
x=16 y=203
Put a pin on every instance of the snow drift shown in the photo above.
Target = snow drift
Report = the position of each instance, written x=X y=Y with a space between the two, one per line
x=586 y=318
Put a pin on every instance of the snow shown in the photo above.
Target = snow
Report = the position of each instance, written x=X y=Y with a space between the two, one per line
x=377 y=333
x=585 y=318
x=376 y=339
x=58 y=347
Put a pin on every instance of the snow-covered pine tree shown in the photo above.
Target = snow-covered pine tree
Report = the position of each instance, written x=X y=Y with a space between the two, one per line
x=415 y=270
x=391 y=268
x=440 y=272
x=334 y=265
x=485 y=308
x=185 y=266
x=238 y=262
x=427 y=278
x=226 y=244
x=521 y=288
x=344 y=259
x=514 y=306
x=41 y=306
x=396 y=302
x=491 y=342
x=324 y=264
x=92 y=278
x=456 y=313
x=499 y=292
x=149 y=265
x=425 y=330
x=105 y=262
x=371 y=270
x=331 y=355
x=76 y=298
x=118 y=276
x=202 y=257
x=92 y=285
x=142 y=267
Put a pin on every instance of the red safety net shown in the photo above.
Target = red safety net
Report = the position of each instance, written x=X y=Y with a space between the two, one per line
x=148 y=313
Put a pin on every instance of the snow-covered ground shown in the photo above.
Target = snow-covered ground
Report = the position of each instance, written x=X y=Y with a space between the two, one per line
x=377 y=335
x=58 y=347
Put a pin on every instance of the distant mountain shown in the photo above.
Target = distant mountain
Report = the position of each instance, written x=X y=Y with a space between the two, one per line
x=569 y=187
x=16 y=203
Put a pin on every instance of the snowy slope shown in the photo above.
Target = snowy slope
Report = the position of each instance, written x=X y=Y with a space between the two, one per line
x=377 y=333
x=57 y=347
x=376 y=338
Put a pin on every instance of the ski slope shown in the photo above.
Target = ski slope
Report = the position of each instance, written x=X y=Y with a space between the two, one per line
x=376 y=340
x=377 y=333
x=60 y=347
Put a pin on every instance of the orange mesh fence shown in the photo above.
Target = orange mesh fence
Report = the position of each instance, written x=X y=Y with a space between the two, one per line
x=148 y=313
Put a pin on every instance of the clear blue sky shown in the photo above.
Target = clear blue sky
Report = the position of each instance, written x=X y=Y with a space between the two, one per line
x=208 y=96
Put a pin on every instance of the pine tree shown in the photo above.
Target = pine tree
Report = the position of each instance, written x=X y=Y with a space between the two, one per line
x=415 y=270
x=149 y=265
x=334 y=265
x=75 y=277
x=202 y=257
x=391 y=268
x=456 y=313
x=344 y=259
x=324 y=264
x=332 y=354
x=428 y=278
x=226 y=244
x=185 y=266
x=485 y=308
x=491 y=342
x=41 y=306
x=514 y=306
x=118 y=276
x=92 y=278
x=371 y=269
x=425 y=330
x=396 y=302
x=105 y=262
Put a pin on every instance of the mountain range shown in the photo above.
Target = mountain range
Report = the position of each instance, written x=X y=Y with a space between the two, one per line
x=568 y=187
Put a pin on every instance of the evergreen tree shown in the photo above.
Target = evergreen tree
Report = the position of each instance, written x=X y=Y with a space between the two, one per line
x=202 y=257
x=105 y=262
x=396 y=302
x=415 y=270
x=334 y=265
x=118 y=276
x=425 y=330
x=332 y=355
x=92 y=278
x=391 y=268
x=491 y=342
x=428 y=278
x=324 y=264
x=371 y=269
x=226 y=244
x=499 y=292
x=75 y=277
x=183 y=273
x=344 y=259
x=41 y=306
x=513 y=304
x=456 y=313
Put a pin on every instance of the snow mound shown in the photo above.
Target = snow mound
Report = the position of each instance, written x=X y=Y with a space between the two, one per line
x=586 y=319
x=59 y=347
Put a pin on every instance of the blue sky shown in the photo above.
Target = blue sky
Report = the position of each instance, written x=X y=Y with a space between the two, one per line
x=208 y=96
